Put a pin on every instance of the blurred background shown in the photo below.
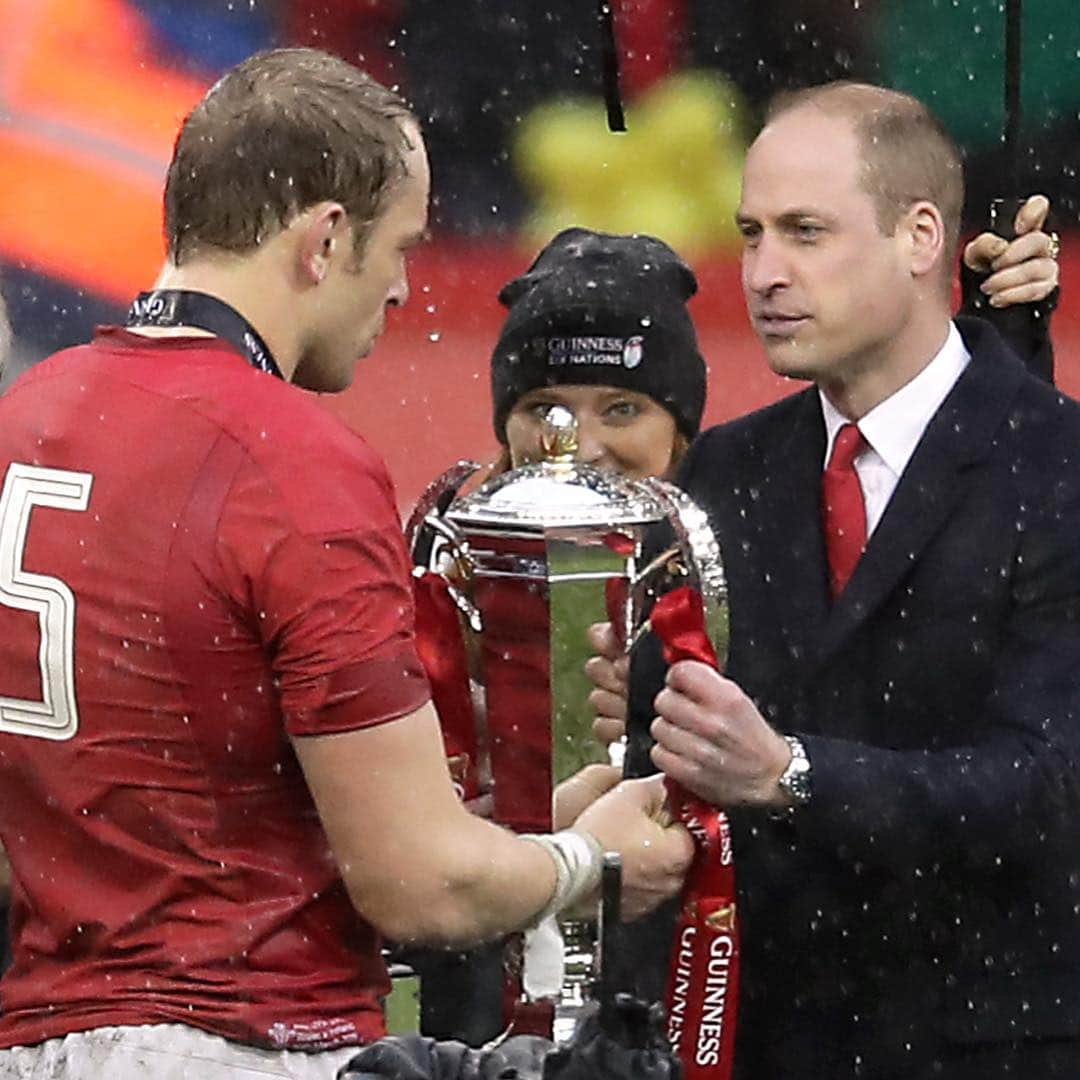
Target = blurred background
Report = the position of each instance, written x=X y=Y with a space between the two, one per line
x=510 y=93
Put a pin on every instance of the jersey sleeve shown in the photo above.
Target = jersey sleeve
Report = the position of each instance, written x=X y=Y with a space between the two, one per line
x=317 y=561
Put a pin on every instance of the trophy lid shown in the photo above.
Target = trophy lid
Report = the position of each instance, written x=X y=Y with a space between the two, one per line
x=557 y=492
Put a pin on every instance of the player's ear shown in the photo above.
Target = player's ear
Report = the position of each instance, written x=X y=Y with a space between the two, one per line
x=323 y=235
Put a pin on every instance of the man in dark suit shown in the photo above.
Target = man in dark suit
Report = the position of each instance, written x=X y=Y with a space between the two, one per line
x=897 y=736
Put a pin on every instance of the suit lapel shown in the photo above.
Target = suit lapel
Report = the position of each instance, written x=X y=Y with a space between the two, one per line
x=959 y=436
x=789 y=551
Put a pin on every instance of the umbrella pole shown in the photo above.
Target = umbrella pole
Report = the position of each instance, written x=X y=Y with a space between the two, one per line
x=609 y=55
x=611 y=943
x=1013 y=64
x=1003 y=210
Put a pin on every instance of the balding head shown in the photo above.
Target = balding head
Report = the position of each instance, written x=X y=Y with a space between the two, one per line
x=907 y=155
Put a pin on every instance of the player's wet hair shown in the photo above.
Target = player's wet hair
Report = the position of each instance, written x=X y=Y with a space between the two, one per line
x=907 y=153
x=281 y=132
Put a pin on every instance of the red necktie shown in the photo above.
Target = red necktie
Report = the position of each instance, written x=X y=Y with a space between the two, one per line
x=843 y=513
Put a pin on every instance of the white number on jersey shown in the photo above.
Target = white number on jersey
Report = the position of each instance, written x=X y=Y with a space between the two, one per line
x=26 y=486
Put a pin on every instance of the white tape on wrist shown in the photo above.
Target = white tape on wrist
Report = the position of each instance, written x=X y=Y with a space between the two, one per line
x=579 y=862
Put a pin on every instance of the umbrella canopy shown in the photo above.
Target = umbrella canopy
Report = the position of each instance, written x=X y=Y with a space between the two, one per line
x=414 y=1057
x=629 y=1044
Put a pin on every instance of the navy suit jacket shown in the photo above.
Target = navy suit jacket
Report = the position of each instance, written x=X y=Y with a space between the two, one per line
x=928 y=897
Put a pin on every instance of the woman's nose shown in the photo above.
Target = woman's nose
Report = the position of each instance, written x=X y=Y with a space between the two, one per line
x=592 y=447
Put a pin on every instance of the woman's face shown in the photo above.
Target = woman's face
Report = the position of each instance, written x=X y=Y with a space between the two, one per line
x=617 y=429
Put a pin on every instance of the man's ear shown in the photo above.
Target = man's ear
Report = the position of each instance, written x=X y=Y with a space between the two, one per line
x=924 y=234
x=324 y=235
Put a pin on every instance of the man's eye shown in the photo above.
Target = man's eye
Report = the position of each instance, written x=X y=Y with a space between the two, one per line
x=808 y=232
x=540 y=408
x=622 y=410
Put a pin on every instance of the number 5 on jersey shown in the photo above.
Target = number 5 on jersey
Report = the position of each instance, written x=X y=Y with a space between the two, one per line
x=27 y=486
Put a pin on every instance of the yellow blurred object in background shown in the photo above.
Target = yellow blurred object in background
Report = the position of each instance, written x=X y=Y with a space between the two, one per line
x=674 y=173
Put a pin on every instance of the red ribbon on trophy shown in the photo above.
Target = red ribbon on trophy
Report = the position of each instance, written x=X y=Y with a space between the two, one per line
x=441 y=648
x=703 y=982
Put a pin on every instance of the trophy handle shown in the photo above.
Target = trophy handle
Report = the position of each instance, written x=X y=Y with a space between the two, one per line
x=434 y=499
x=694 y=535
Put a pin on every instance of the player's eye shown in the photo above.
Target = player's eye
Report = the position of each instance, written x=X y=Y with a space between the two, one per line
x=751 y=232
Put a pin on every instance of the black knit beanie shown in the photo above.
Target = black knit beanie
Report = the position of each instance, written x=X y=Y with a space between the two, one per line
x=605 y=310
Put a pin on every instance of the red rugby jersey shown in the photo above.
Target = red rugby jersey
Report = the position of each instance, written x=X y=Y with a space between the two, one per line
x=196 y=561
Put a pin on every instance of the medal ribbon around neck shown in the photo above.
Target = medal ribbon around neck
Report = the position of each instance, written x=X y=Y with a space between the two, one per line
x=183 y=307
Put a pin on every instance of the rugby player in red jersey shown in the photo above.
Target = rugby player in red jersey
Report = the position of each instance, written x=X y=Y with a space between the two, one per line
x=220 y=775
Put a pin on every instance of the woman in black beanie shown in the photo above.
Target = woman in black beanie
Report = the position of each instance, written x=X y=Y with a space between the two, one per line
x=599 y=324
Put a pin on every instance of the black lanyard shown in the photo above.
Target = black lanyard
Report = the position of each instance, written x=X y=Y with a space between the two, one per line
x=181 y=307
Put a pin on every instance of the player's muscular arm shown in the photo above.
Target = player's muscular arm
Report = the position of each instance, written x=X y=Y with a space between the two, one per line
x=416 y=863
x=419 y=867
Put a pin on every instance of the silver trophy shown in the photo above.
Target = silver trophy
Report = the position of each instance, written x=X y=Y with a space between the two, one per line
x=530 y=559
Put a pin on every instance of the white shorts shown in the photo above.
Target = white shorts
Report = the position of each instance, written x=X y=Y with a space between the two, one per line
x=163 y=1052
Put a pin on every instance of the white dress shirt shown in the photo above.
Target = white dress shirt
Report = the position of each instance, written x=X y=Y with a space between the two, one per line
x=893 y=428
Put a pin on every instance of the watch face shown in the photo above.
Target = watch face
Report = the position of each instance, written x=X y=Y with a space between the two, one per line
x=796 y=778
x=798 y=784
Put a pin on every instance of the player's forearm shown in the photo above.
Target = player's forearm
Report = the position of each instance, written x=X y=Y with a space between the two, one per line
x=466 y=881
x=418 y=866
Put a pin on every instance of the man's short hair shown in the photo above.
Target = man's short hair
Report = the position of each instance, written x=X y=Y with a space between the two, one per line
x=907 y=154
x=279 y=133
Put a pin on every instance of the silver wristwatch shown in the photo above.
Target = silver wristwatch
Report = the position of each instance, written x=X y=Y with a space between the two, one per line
x=795 y=779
